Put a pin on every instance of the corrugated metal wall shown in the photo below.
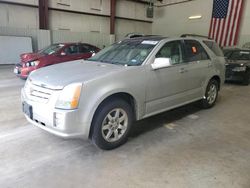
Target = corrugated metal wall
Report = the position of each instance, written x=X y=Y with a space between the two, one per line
x=97 y=39
x=43 y=38
x=40 y=38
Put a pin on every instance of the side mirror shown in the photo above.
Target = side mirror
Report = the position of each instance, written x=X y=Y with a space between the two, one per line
x=62 y=53
x=160 y=63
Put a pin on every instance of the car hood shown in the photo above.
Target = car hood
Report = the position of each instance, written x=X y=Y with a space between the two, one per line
x=60 y=75
x=27 y=57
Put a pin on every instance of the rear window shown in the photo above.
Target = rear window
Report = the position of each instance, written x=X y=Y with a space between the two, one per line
x=214 y=47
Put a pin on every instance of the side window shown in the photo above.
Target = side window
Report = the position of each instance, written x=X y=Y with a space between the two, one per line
x=70 y=50
x=84 y=48
x=214 y=47
x=94 y=49
x=194 y=51
x=172 y=50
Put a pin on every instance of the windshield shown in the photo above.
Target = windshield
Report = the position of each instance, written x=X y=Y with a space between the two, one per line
x=240 y=55
x=130 y=53
x=51 y=49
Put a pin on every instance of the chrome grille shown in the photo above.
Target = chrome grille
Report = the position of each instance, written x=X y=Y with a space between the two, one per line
x=37 y=93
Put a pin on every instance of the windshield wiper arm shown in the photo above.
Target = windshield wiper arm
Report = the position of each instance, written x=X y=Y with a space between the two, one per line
x=110 y=62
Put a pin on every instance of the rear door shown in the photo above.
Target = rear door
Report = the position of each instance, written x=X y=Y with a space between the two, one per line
x=199 y=65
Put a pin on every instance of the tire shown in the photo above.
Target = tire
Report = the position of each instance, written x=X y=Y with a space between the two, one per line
x=211 y=94
x=111 y=130
x=246 y=80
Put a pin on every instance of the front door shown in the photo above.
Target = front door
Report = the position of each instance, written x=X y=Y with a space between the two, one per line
x=166 y=87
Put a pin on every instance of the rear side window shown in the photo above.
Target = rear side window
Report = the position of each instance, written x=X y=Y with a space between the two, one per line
x=71 y=50
x=84 y=49
x=214 y=47
x=194 y=51
x=93 y=49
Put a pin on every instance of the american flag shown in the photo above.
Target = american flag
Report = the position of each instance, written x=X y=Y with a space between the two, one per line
x=225 y=22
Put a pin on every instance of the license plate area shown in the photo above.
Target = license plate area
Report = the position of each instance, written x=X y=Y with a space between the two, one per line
x=27 y=109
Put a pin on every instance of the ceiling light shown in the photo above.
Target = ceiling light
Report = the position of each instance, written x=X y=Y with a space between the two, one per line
x=194 y=17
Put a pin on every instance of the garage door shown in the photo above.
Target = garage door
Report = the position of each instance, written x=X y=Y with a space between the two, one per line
x=11 y=48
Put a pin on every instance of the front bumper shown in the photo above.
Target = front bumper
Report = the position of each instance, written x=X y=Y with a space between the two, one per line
x=23 y=72
x=63 y=123
x=235 y=76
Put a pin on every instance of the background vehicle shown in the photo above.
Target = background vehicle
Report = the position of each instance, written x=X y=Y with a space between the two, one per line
x=136 y=35
x=53 y=54
x=238 y=65
x=133 y=35
x=130 y=80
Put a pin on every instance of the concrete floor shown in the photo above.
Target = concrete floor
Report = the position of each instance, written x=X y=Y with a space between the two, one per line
x=183 y=148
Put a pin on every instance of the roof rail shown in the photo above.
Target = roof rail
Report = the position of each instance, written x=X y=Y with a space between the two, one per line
x=194 y=35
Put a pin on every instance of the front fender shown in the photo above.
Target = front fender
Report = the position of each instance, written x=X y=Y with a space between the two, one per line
x=96 y=91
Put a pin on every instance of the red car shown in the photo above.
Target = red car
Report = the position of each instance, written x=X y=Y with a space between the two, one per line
x=53 y=54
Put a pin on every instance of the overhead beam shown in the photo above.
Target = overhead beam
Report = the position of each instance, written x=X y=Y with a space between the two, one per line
x=112 y=16
x=173 y=3
x=72 y=11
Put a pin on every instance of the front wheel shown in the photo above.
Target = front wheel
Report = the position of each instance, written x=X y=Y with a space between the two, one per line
x=111 y=124
x=211 y=94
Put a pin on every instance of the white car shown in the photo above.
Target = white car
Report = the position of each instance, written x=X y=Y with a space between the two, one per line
x=133 y=79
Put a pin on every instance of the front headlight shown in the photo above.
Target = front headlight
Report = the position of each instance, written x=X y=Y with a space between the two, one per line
x=239 y=69
x=34 y=63
x=69 y=97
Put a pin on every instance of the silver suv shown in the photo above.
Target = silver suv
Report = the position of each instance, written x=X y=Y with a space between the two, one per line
x=133 y=79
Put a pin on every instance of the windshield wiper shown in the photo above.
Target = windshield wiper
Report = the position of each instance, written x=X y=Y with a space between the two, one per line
x=110 y=62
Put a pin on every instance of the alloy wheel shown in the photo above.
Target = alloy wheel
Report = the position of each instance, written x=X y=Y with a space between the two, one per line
x=212 y=94
x=114 y=125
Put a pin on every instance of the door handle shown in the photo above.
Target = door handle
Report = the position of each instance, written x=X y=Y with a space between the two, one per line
x=210 y=64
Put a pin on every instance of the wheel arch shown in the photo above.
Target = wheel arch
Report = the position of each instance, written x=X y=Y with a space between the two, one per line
x=218 y=79
x=130 y=99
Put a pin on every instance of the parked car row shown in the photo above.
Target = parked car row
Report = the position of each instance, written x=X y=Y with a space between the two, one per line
x=99 y=98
